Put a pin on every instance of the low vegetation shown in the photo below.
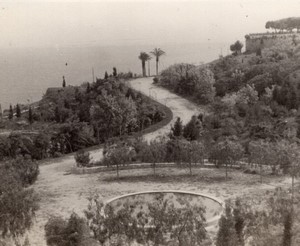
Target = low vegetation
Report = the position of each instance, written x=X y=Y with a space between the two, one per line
x=163 y=224
x=80 y=117
x=18 y=202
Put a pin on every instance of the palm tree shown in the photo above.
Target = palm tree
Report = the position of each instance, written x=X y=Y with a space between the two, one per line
x=157 y=52
x=149 y=65
x=144 y=57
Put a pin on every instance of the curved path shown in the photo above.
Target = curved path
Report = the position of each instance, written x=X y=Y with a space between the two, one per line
x=180 y=107
x=62 y=193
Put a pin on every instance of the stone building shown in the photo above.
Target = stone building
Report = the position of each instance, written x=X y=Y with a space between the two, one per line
x=259 y=41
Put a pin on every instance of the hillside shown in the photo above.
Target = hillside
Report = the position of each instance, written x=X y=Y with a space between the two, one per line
x=250 y=96
x=71 y=118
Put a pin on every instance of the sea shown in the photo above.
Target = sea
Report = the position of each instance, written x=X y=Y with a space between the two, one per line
x=26 y=73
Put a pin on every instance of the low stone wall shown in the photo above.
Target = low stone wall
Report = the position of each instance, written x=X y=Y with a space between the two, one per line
x=209 y=224
x=97 y=169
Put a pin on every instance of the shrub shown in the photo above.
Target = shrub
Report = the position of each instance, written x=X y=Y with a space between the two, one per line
x=71 y=232
x=26 y=170
x=82 y=158
x=17 y=205
x=155 y=80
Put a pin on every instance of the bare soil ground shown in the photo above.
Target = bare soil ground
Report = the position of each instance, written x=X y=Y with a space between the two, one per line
x=62 y=193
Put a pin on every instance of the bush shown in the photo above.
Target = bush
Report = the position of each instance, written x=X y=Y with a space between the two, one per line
x=155 y=80
x=26 y=170
x=82 y=158
x=71 y=232
x=17 y=205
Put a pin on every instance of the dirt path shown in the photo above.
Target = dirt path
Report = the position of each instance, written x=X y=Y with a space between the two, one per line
x=180 y=107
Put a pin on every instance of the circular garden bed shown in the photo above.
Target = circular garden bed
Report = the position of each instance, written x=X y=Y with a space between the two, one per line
x=139 y=202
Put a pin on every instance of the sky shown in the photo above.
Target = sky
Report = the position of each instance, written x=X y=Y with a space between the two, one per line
x=100 y=23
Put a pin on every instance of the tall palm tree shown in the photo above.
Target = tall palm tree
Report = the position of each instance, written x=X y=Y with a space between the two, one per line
x=149 y=65
x=157 y=52
x=144 y=57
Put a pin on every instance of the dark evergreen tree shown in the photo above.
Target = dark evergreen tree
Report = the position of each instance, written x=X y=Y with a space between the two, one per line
x=287 y=232
x=66 y=104
x=88 y=88
x=18 y=111
x=176 y=130
x=64 y=82
x=106 y=75
x=115 y=72
x=192 y=129
x=57 y=115
x=30 y=116
x=11 y=113
x=239 y=222
x=226 y=235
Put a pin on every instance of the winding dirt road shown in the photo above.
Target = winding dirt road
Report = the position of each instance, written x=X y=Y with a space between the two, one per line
x=180 y=107
x=62 y=193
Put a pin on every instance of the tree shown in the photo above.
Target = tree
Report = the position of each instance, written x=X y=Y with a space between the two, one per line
x=106 y=75
x=117 y=155
x=17 y=205
x=144 y=57
x=196 y=152
x=18 y=111
x=71 y=232
x=109 y=225
x=287 y=232
x=157 y=52
x=115 y=72
x=154 y=153
x=82 y=158
x=236 y=47
x=11 y=113
x=30 y=115
x=177 y=129
x=187 y=224
x=42 y=144
x=192 y=129
x=26 y=170
x=239 y=219
x=227 y=152
x=226 y=235
x=257 y=153
x=57 y=115
x=64 y=82
x=160 y=223
x=88 y=88
x=200 y=83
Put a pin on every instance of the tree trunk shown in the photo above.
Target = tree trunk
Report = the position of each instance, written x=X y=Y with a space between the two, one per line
x=149 y=68
x=118 y=171
x=226 y=171
x=144 y=68
x=98 y=134
x=261 y=173
x=157 y=67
